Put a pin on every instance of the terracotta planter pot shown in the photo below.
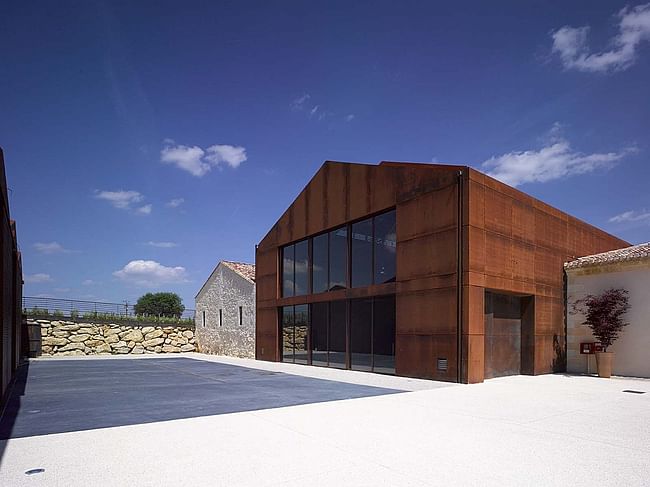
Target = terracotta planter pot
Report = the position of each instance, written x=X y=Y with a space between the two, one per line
x=604 y=361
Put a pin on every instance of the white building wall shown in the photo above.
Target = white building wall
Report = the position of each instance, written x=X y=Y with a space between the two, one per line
x=633 y=346
x=226 y=291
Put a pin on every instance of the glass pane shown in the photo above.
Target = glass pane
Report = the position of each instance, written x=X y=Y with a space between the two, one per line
x=319 y=264
x=301 y=334
x=287 y=334
x=302 y=268
x=362 y=253
x=338 y=263
x=384 y=335
x=337 y=334
x=385 y=247
x=360 y=334
x=287 y=270
x=319 y=334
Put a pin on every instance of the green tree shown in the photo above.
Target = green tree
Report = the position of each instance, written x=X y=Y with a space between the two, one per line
x=160 y=304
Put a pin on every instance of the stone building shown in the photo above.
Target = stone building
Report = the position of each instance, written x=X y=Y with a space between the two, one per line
x=225 y=311
x=419 y=270
x=627 y=268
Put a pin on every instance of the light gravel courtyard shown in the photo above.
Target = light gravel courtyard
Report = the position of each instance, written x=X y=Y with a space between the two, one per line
x=215 y=421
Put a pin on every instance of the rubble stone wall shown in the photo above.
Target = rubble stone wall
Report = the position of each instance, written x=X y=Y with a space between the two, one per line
x=225 y=315
x=74 y=338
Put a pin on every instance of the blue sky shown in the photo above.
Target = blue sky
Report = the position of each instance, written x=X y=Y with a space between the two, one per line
x=145 y=141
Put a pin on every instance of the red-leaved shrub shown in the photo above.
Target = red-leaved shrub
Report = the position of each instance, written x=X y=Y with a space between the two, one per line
x=604 y=314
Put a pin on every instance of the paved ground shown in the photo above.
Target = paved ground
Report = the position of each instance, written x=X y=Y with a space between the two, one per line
x=74 y=395
x=545 y=430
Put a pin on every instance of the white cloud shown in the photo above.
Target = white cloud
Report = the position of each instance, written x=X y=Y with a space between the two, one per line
x=555 y=160
x=162 y=245
x=88 y=282
x=51 y=248
x=631 y=216
x=37 y=278
x=120 y=199
x=175 y=203
x=186 y=158
x=199 y=162
x=144 y=210
x=150 y=273
x=313 y=111
x=349 y=118
x=299 y=103
x=570 y=43
x=230 y=154
x=62 y=289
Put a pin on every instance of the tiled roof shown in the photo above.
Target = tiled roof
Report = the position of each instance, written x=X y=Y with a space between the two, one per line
x=245 y=270
x=635 y=252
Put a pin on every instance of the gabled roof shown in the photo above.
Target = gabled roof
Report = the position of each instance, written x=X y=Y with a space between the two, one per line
x=246 y=271
x=627 y=254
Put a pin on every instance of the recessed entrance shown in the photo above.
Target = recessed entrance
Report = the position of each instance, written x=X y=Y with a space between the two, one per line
x=505 y=315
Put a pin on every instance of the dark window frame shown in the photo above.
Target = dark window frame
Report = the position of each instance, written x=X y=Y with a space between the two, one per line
x=348 y=323
x=310 y=243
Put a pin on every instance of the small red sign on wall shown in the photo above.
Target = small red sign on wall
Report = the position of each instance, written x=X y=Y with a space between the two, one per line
x=590 y=348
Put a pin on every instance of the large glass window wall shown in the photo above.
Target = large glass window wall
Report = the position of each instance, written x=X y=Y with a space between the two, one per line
x=355 y=255
x=354 y=334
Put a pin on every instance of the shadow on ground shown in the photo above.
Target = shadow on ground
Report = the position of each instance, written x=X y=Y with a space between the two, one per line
x=9 y=413
x=58 y=396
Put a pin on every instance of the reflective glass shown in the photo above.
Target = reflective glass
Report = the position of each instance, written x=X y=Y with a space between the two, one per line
x=287 y=334
x=361 y=241
x=384 y=335
x=301 y=334
x=385 y=247
x=319 y=263
x=301 y=266
x=287 y=270
x=360 y=334
x=319 y=333
x=337 y=346
x=338 y=261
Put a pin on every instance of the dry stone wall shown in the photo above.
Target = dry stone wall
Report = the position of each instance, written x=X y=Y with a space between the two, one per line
x=72 y=338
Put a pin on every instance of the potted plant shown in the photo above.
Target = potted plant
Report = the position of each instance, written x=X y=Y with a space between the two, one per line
x=604 y=315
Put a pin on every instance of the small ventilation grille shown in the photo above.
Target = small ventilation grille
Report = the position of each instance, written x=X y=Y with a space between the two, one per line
x=442 y=364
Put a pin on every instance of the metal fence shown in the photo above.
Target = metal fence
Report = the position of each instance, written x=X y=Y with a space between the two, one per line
x=75 y=308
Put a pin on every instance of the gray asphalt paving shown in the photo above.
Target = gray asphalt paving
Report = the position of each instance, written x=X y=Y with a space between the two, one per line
x=58 y=396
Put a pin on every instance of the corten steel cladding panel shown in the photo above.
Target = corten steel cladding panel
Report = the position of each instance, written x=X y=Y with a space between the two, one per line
x=426 y=203
x=516 y=244
x=509 y=242
x=10 y=295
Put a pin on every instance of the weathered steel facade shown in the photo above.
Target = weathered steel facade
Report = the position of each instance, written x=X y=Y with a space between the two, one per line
x=11 y=336
x=479 y=267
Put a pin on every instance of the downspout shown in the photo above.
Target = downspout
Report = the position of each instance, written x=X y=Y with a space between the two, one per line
x=459 y=283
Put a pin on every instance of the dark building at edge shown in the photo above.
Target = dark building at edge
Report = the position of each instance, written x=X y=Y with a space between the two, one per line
x=420 y=270
x=11 y=336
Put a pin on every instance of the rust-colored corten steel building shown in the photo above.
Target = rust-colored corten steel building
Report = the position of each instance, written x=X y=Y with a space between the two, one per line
x=12 y=341
x=421 y=270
